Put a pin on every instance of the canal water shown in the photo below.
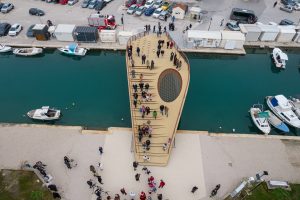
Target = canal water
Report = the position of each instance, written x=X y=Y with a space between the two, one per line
x=92 y=91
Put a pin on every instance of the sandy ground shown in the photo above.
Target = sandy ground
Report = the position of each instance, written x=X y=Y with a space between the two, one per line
x=200 y=160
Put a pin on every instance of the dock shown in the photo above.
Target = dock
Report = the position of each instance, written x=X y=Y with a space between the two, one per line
x=168 y=86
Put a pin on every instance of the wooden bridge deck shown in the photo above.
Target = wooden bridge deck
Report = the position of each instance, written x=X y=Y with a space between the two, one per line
x=164 y=127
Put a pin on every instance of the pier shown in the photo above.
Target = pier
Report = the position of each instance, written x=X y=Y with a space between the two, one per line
x=168 y=87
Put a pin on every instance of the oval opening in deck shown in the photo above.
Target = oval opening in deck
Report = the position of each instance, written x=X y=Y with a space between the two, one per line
x=169 y=85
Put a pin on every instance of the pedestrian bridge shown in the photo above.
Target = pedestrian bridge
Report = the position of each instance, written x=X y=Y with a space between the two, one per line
x=168 y=87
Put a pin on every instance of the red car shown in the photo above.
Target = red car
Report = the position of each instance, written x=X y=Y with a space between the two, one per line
x=63 y=2
x=130 y=2
x=140 y=2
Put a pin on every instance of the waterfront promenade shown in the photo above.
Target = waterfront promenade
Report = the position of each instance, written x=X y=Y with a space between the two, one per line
x=198 y=158
x=168 y=88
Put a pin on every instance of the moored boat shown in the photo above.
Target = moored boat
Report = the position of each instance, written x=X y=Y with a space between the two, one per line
x=4 y=48
x=295 y=105
x=73 y=49
x=44 y=114
x=282 y=108
x=276 y=122
x=279 y=58
x=259 y=118
x=28 y=51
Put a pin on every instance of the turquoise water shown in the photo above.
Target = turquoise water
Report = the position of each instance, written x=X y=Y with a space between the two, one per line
x=92 y=91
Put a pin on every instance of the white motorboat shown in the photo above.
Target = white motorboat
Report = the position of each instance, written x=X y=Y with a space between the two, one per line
x=283 y=109
x=296 y=105
x=279 y=58
x=45 y=114
x=4 y=48
x=73 y=49
x=28 y=51
x=260 y=118
x=276 y=122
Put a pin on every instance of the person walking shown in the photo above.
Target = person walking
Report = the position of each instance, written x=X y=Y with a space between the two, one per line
x=154 y=114
x=132 y=195
x=99 y=179
x=147 y=87
x=166 y=111
x=135 y=103
x=168 y=44
x=135 y=87
x=143 y=58
x=158 y=52
x=171 y=45
x=117 y=197
x=161 y=108
x=194 y=189
x=165 y=146
x=154 y=29
x=137 y=176
x=123 y=191
x=171 y=56
x=143 y=196
x=222 y=21
x=92 y=169
x=141 y=77
x=162 y=52
x=141 y=86
x=135 y=165
x=159 y=196
x=161 y=184
x=165 y=29
x=274 y=5
x=132 y=73
x=138 y=51
x=148 y=64
x=101 y=150
x=152 y=65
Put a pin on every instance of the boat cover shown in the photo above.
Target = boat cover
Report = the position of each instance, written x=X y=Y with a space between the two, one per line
x=72 y=47
x=274 y=102
x=263 y=115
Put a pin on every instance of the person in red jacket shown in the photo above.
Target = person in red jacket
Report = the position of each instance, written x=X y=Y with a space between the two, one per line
x=161 y=184
x=142 y=196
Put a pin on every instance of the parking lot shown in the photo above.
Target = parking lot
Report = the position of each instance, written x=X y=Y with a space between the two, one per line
x=214 y=11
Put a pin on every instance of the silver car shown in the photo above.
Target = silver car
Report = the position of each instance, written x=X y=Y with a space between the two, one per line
x=72 y=2
x=287 y=8
x=7 y=7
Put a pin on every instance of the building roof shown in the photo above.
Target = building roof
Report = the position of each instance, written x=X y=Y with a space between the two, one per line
x=232 y=35
x=196 y=34
x=39 y=26
x=65 y=28
x=245 y=28
x=287 y=29
x=181 y=5
x=196 y=10
x=269 y=28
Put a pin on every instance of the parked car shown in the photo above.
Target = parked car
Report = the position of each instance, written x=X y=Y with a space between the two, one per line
x=131 y=9
x=100 y=5
x=29 y=32
x=286 y=22
x=4 y=28
x=288 y=2
x=165 y=5
x=15 y=30
x=1 y=5
x=7 y=7
x=296 y=6
x=130 y=3
x=72 y=2
x=286 y=8
x=92 y=4
x=157 y=13
x=36 y=12
x=140 y=2
x=233 y=25
x=107 y=1
x=149 y=11
x=140 y=10
x=85 y=3
x=157 y=3
x=164 y=14
x=149 y=3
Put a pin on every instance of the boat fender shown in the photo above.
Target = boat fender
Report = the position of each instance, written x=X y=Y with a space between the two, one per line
x=122 y=119
x=233 y=130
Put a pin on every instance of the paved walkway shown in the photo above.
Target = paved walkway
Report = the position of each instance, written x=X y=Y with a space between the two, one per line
x=162 y=89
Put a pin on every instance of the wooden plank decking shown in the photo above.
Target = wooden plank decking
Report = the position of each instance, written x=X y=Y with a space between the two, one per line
x=164 y=127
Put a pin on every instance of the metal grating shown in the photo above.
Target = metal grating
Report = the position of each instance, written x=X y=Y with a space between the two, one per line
x=169 y=85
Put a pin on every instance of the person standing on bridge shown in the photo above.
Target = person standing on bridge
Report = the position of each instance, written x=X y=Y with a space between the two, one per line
x=161 y=108
x=138 y=51
x=154 y=114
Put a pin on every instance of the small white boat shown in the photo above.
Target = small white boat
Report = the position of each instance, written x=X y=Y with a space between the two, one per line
x=295 y=105
x=260 y=118
x=4 y=48
x=277 y=123
x=45 y=114
x=28 y=51
x=73 y=49
x=283 y=109
x=279 y=58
